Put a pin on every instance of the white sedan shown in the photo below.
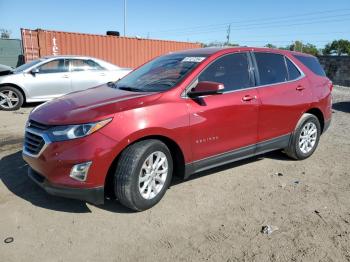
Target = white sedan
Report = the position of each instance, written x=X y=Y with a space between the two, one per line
x=50 y=77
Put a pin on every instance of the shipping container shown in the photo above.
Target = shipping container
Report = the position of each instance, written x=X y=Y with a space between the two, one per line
x=122 y=51
x=11 y=52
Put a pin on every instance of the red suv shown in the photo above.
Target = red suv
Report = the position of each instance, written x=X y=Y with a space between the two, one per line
x=177 y=115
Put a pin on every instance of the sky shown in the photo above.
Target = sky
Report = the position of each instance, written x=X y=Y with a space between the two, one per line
x=252 y=23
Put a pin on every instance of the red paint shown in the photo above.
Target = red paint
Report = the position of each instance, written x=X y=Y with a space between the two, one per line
x=224 y=122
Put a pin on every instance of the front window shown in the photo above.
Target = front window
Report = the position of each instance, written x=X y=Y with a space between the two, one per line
x=231 y=70
x=27 y=65
x=54 y=66
x=160 y=74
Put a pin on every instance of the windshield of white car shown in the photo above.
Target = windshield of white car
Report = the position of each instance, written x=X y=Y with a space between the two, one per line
x=160 y=74
x=27 y=65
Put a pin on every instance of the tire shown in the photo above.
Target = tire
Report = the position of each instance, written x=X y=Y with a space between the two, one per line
x=301 y=148
x=10 y=98
x=132 y=169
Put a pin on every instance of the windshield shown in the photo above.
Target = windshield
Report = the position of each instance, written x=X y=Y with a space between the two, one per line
x=27 y=65
x=160 y=74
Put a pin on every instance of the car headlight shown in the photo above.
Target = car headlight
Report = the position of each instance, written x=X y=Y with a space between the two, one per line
x=61 y=133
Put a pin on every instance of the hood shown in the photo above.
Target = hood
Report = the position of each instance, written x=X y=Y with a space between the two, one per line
x=6 y=72
x=90 y=105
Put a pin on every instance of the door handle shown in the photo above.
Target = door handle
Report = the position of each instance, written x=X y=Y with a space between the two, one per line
x=247 y=98
x=300 y=88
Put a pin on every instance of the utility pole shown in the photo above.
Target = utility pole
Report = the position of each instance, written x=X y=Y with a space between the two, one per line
x=124 y=17
x=228 y=34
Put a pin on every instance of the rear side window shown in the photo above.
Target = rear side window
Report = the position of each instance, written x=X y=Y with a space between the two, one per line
x=293 y=71
x=77 y=65
x=231 y=70
x=312 y=63
x=272 y=68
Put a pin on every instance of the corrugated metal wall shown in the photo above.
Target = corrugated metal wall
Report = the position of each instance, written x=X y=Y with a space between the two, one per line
x=11 y=52
x=122 y=51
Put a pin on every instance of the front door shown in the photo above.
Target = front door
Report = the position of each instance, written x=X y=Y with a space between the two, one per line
x=51 y=80
x=225 y=123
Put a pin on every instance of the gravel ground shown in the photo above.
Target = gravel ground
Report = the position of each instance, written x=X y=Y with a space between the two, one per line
x=215 y=216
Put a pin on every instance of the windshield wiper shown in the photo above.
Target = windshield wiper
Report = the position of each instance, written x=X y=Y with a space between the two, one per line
x=132 y=89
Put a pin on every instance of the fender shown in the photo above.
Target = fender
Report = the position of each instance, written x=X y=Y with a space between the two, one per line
x=183 y=144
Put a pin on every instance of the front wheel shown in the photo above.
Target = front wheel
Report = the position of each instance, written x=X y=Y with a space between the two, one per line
x=305 y=138
x=143 y=174
x=10 y=98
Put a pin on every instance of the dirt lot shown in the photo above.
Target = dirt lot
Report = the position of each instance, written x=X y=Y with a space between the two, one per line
x=215 y=216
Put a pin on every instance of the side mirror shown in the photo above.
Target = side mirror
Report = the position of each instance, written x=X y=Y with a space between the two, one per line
x=206 y=88
x=34 y=71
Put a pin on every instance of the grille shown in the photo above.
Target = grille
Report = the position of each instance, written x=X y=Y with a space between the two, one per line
x=33 y=143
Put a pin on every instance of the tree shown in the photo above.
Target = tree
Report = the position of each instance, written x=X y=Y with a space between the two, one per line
x=270 y=46
x=296 y=46
x=217 y=43
x=5 y=33
x=300 y=47
x=338 y=47
x=310 y=49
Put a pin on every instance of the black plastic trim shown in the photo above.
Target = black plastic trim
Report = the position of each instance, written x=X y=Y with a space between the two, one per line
x=237 y=154
x=326 y=125
x=92 y=195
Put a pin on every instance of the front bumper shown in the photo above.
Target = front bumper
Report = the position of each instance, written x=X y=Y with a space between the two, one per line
x=92 y=195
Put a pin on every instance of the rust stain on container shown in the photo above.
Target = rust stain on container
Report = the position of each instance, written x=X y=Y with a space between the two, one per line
x=122 y=51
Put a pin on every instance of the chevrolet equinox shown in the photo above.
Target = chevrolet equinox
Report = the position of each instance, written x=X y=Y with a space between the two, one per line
x=178 y=114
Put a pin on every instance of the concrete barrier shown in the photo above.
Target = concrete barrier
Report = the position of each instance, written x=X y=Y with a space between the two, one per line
x=337 y=69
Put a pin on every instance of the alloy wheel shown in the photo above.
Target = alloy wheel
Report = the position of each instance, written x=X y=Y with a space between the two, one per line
x=153 y=174
x=8 y=99
x=308 y=137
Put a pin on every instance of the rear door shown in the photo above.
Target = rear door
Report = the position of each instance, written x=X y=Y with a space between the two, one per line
x=221 y=123
x=86 y=73
x=284 y=94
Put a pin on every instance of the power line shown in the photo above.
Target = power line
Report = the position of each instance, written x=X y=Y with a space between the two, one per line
x=264 y=26
x=252 y=20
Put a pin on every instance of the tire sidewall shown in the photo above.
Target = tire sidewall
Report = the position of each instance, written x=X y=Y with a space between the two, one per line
x=19 y=95
x=298 y=152
x=139 y=201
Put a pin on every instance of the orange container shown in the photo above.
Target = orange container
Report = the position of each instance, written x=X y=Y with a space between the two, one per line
x=122 y=51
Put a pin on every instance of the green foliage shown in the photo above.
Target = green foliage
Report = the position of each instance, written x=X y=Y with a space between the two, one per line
x=304 y=48
x=338 y=47
x=217 y=43
x=5 y=34
x=270 y=46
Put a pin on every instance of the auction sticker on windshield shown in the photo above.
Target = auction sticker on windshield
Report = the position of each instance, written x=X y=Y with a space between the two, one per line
x=194 y=59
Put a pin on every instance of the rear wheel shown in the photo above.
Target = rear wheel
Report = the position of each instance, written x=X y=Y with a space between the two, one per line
x=305 y=138
x=143 y=174
x=10 y=98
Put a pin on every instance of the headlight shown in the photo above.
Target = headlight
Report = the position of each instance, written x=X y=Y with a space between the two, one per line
x=61 y=133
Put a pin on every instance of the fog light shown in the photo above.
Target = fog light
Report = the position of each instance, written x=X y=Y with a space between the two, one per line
x=80 y=171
